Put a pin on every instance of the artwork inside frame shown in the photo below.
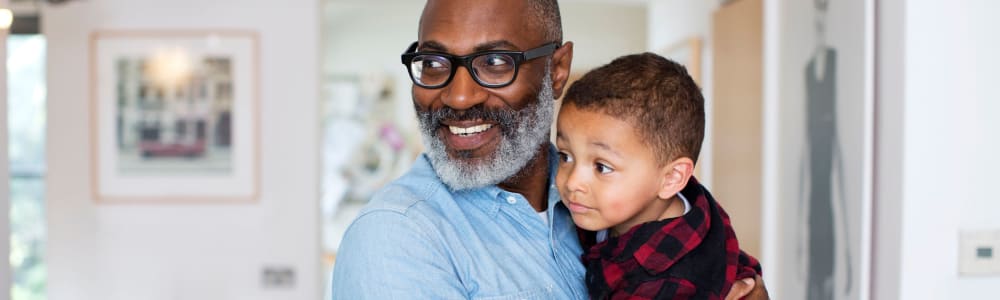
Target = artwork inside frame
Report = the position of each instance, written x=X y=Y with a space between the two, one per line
x=825 y=141
x=174 y=116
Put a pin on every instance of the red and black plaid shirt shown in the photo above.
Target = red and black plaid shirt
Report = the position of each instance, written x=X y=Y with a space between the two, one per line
x=695 y=256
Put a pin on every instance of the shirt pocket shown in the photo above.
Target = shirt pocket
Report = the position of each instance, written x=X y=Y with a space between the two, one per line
x=535 y=294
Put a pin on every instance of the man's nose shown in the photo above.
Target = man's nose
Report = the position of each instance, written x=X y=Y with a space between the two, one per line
x=463 y=92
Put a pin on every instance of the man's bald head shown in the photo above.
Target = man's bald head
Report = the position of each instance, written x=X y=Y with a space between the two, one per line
x=542 y=15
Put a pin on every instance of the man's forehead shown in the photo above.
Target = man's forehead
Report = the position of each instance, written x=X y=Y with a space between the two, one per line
x=461 y=26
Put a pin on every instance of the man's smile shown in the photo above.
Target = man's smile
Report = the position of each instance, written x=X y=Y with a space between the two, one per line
x=467 y=131
x=469 y=135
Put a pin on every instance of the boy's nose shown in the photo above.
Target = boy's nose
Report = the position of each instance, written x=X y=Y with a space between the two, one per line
x=574 y=181
x=463 y=92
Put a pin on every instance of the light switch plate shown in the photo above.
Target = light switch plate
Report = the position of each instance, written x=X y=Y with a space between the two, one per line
x=278 y=277
x=979 y=253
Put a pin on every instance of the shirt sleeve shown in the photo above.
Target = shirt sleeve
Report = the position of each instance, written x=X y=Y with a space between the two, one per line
x=390 y=255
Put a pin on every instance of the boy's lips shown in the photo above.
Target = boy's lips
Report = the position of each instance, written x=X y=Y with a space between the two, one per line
x=577 y=207
x=468 y=135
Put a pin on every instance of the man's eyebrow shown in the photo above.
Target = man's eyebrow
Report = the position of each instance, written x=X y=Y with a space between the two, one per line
x=495 y=45
x=434 y=46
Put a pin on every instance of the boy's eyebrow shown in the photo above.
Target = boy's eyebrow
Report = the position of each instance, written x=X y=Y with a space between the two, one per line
x=607 y=148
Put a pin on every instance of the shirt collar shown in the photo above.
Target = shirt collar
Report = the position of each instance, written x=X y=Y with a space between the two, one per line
x=644 y=243
x=553 y=166
x=603 y=234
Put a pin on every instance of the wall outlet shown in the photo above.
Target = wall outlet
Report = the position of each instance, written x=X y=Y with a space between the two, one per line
x=275 y=277
x=979 y=253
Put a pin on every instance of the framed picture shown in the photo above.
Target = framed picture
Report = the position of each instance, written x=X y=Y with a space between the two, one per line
x=824 y=149
x=174 y=116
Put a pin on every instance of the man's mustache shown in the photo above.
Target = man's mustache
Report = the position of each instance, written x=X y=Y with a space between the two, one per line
x=505 y=118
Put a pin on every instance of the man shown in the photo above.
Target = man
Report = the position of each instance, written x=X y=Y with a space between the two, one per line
x=478 y=215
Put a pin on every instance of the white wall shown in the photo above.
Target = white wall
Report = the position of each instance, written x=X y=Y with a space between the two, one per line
x=365 y=35
x=600 y=32
x=888 y=194
x=671 y=21
x=176 y=251
x=950 y=144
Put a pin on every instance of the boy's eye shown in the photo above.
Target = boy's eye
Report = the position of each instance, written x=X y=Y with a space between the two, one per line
x=603 y=169
x=563 y=157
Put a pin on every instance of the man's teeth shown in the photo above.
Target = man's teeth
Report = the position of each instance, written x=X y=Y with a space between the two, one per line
x=470 y=130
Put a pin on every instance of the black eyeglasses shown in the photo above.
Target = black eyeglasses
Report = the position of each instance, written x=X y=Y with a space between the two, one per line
x=492 y=69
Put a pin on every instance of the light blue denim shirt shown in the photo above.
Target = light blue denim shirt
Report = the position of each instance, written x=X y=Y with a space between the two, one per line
x=417 y=239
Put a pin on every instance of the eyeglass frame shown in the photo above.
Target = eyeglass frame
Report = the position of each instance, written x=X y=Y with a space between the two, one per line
x=466 y=61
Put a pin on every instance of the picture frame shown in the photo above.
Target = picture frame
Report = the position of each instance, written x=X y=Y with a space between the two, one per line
x=174 y=116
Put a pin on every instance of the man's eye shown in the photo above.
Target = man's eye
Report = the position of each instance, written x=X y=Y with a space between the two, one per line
x=496 y=61
x=603 y=169
x=430 y=64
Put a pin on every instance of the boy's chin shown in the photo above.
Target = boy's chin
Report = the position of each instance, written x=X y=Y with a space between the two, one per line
x=587 y=225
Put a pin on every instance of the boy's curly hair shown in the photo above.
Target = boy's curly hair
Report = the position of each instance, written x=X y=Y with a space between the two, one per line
x=653 y=94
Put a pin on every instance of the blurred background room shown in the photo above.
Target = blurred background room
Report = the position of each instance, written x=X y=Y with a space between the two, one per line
x=218 y=149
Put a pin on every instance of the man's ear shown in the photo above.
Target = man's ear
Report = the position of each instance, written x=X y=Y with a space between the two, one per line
x=675 y=177
x=561 y=61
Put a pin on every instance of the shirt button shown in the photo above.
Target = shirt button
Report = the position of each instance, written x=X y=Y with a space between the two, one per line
x=511 y=199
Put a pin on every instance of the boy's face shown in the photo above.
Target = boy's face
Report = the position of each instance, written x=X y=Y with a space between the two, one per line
x=607 y=177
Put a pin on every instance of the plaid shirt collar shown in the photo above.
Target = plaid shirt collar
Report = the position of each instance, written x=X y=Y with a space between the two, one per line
x=641 y=242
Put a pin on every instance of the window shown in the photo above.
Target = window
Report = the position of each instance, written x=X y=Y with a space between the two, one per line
x=26 y=147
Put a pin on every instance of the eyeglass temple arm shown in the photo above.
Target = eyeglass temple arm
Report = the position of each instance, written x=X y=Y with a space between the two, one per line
x=540 y=51
x=411 y=49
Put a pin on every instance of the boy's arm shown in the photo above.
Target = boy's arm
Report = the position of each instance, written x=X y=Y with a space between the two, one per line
x=388 y=255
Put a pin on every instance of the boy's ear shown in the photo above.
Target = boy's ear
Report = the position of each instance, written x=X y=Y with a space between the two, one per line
x=675 y=177
x=561 y=61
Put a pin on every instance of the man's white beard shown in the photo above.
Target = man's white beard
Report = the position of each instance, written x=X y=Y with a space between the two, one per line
x=517 y=146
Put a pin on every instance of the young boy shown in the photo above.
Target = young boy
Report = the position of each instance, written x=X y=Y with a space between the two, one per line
x=628 y=136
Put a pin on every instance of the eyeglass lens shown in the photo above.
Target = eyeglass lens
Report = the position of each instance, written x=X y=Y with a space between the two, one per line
x=490 y=68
